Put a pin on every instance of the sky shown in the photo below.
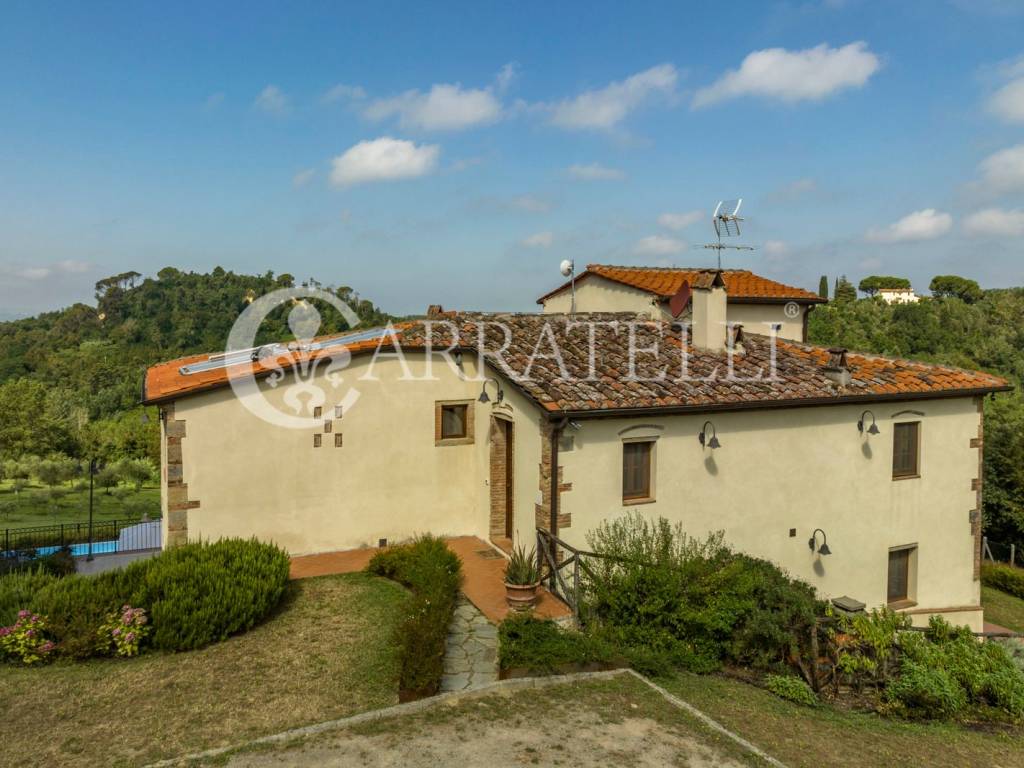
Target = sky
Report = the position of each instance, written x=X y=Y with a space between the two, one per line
x=456 y=153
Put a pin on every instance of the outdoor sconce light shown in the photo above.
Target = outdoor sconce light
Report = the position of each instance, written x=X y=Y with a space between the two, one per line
x=873 y=429
x=457 y=356
x=483 y=392
x=823 y=549
x=704 y=440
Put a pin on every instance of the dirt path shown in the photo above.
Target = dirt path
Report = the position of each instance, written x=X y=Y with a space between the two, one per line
x=611 y=722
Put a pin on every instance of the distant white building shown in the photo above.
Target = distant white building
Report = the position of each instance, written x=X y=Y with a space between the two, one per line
x=898 y=295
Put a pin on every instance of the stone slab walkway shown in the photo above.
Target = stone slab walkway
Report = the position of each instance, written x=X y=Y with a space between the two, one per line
x=471 y=654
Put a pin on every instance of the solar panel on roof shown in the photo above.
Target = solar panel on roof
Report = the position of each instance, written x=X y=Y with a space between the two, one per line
x=252 y=354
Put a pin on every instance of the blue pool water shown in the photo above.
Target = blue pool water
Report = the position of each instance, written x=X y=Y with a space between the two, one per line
x=98 y=548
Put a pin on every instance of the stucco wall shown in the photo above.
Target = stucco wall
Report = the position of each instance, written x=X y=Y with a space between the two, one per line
x=596 y=294
x=803 y=468
x=389 y=480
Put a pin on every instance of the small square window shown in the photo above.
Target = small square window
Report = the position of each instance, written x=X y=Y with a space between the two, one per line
x=906 y=450
x=317 y=440
x=328 y=425
x=337 y=411
x=453 y=421
x=337 y=439
x=318 y=412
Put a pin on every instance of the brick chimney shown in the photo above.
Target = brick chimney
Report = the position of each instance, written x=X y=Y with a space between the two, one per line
x=710 y=329
x=837 y=370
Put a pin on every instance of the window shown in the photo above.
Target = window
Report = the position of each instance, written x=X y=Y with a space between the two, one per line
x=453 y=422
x=337 y=439
x=906 y=449
x=316 y=440
x=328 y=425
x=636 y=471
x=337 y=411
x=900 y=588
x=317 y=411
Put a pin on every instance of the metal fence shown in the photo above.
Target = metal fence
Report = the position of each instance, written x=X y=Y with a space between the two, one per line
x=103 y=537
x=1001 y=551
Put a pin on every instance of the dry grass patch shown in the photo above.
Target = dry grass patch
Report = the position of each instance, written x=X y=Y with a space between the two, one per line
x=611 y=722
x=326 y=653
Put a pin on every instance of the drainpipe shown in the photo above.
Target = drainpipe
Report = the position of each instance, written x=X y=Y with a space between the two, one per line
x=556 y=432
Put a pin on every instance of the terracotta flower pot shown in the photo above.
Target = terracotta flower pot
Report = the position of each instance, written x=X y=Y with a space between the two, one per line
x=521 y=597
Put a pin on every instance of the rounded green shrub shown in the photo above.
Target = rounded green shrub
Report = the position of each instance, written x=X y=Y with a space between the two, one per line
x=792 y=689
x=926 y=691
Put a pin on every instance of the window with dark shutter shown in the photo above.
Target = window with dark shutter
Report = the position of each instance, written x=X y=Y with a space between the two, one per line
x=899 y=575
x=906 y=449
x=636 y=471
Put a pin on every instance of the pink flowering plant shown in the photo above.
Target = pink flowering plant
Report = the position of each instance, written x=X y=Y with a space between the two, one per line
x=26 y=639
x=124 y=631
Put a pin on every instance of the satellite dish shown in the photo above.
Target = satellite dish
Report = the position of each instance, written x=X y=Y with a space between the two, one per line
x=566 y=268
x=680 y=300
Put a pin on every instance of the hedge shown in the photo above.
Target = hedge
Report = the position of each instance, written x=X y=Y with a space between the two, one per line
x=1005 y=578
x=195 y=594
x=433 y=573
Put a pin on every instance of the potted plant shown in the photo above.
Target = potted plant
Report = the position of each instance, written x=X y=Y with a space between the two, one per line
x=522 y=577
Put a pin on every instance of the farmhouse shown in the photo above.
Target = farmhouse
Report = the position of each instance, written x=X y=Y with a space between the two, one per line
x=859 y=474
x=754 y=302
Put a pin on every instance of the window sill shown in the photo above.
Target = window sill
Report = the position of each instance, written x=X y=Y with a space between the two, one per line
x=454 y=441
x=634 y=502
x=900 y=605
x=905 y=477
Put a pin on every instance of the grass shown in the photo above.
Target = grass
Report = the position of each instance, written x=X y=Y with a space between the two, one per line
x=802 y=737
x=615 y=722
x=1003 y=609
x=34 y=506
x=328 y=652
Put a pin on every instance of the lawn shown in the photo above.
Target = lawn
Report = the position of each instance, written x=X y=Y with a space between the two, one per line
x=1003 y=609
x=328 y=652
x=610 y=722
x=802 y=737
x=35 y=505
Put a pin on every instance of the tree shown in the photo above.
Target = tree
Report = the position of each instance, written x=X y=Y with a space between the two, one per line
x=873 y=284
x=823 y=287
x=845 y=290
x=955 y=287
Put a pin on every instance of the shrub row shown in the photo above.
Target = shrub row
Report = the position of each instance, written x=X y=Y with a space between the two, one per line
x=194 y=594
x=1004 y=577
x=433 y=573
x=540 y=646
x=695 y=603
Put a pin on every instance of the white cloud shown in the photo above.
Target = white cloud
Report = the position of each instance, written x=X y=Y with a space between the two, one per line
x=658 y=245
x=792 y=191
x=678 y=221
x=595 y=172
x=506 y=76
x=1008 y=102
x=539 y=240
x=272 y=100
x=444 y=108
x=791 y=76
x=530 y=204
x=303 y=177
x=605 y=108
x=383 y=159
x=926 y=224
x=342 y=92
x=995 y=222
x=775 y=248
x=1004 y=170
x=73 y=266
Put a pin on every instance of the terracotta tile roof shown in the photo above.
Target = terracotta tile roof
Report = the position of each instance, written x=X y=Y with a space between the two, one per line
x=741 y=285
x=800 y=377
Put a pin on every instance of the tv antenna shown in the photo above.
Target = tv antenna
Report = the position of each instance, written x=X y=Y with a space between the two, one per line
x=726 y=219
x=568 y=269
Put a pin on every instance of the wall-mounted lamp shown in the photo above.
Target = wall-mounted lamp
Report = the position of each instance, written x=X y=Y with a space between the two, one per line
x=812 y=542
x=457 y=357
x=873 y=429
x=705 y=441
x=497 y=386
